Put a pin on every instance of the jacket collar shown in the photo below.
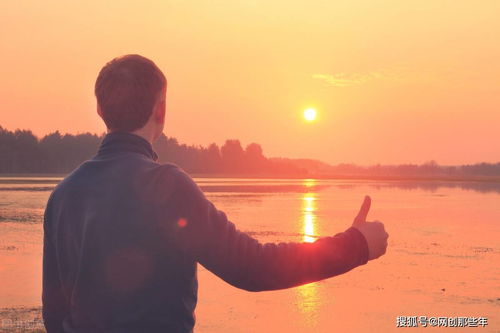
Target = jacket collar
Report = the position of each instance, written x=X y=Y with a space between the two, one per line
x=116 y=142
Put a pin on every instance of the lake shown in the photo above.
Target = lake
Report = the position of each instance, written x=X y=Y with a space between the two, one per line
x=443 y=257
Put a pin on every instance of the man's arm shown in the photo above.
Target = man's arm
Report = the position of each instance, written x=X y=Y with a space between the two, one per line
x=244 y=262
x=55 y=307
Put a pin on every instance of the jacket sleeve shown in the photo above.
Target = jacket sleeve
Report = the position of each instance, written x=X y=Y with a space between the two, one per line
x=54 y=303
x=244 y=262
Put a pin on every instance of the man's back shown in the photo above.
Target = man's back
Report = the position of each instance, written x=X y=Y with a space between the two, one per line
x=116 y=264
x=123 y=235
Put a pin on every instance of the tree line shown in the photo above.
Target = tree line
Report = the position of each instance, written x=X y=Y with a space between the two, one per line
x=429 y=169
x=22 y=152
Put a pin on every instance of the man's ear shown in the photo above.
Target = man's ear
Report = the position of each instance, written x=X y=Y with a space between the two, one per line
x=159 y=113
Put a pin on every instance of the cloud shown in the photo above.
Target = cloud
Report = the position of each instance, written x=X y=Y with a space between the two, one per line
x=395 y=73
x=354 y=79
x=342 y=79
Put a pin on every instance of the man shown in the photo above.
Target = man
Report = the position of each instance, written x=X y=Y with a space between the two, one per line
x=123 y=234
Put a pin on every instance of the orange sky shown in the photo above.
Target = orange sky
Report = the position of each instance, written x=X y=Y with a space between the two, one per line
x=392 y=81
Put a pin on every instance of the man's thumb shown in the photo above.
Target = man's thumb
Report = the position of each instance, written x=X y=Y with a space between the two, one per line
x=363 y=211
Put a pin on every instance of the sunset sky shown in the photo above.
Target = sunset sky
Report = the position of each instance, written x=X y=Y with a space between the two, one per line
x=391 y=81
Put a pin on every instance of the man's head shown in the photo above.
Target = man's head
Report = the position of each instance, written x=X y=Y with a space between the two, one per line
x=131 y=92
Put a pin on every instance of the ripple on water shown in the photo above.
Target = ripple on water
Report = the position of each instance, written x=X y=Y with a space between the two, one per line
x=21 y=215
x=28 y=188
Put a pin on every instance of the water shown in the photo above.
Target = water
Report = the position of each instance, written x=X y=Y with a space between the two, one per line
x=443 y=257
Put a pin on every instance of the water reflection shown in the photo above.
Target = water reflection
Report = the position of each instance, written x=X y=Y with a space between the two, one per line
x=262 y=185
x=307 y=295
x=310 y=182
x=309 y=217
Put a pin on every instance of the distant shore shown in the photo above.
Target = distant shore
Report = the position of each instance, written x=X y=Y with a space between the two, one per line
x=314 y=176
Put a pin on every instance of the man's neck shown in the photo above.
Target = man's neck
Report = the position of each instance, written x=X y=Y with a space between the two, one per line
x=143 y=133
x=146 y=134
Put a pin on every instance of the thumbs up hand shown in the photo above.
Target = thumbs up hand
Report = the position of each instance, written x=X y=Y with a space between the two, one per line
x=374 y=232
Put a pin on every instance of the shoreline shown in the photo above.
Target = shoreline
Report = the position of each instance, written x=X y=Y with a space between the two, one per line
x=482 y=179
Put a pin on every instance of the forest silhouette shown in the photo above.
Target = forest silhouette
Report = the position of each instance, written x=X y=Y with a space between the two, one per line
x=22 y=152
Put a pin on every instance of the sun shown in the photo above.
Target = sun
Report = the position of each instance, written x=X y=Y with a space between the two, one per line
x=310 y=114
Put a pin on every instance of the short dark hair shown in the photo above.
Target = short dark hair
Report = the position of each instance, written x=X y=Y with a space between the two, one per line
x=127 y=89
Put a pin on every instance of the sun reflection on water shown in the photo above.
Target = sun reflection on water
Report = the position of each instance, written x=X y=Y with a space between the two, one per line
x=307 y=295
x=309 y=218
